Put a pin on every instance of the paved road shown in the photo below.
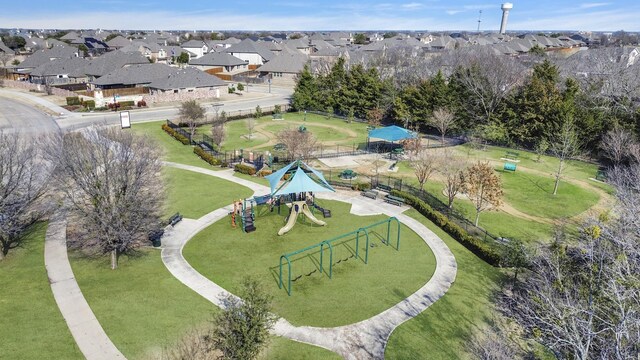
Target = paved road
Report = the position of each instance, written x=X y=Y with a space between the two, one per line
x=26 y=112
x=16 y=115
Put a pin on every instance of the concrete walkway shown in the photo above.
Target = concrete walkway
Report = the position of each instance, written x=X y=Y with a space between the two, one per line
x=363 y=340
x=85 y=328
x=25 y=96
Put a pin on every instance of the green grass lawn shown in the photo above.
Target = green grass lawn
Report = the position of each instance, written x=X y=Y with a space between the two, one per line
x=226 y=255
x=172 y=150
x=533 y=195
x=282 y=348
x=194 y=194
x=31 y=326
x=321 y=133
x=444 y=329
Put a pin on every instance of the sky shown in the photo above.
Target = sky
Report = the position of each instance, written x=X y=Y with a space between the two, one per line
x=252 y=15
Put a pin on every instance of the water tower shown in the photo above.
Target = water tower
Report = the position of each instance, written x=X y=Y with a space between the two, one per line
x=505 y=14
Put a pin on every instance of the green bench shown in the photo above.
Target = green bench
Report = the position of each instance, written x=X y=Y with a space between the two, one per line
x=509 y=166
x=277 y=116
x=394 y=200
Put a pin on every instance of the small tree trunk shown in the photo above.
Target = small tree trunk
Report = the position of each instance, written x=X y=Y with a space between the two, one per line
x=114 y=259
x=442 y=139
x=477 y=218
x=555 y=186
x=2 y=254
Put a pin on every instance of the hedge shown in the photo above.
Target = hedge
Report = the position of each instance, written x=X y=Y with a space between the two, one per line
x=481 y=249
x=73 y=100
x=245 y=169
x=89 y=104
x=206 y=156
x=175 y=134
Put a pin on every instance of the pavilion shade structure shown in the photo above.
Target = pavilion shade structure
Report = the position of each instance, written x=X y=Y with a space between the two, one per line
x=392 y=133
x=299 y=182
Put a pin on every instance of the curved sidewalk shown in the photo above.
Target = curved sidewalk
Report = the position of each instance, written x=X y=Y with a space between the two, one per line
x=363 y=340
x=85 y=328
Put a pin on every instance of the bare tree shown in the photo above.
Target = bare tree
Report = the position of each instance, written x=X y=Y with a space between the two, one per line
x=442 y=120
x=24 y=176
x=487 y=77
x=452 y=171
x=113 y=188
x=617 y=144
x=424 y=165
x=218 y=134
x=300 y=144
x=492 y=344
x=251 y=125
x=564 y=146
x=483 y=186
x=192 y=114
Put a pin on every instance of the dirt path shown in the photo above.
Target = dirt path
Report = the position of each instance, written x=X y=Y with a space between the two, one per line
x=274 y=140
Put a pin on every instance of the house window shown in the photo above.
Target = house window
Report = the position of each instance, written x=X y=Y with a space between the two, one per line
x=175 y=91
x=190 y=90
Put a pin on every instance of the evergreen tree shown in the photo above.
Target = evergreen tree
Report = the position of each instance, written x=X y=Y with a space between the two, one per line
x=305 y=95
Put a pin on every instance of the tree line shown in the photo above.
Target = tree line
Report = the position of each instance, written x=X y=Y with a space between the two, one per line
x=500 y=99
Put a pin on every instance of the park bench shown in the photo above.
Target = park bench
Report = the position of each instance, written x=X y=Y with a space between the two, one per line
x=382 y=187
x=174 y=219
x=511 y=156
x=370 y=194
x=394 y=200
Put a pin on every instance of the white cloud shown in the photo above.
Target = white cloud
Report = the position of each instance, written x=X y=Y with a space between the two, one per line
x=593 y=5
x=453 y=12
x=413 y=5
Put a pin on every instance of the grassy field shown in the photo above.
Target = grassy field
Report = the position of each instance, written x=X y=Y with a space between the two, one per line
x=321 y=133
x=194 y=194
x=281 y=348
x=226 y=255
x=173 y=150
x=533 y=195
x=31 y=326
x=444 y=329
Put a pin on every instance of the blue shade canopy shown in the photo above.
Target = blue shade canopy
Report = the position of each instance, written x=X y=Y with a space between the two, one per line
x=392 y=133
x=274 y=178
x=318 y=174
x=301 y=182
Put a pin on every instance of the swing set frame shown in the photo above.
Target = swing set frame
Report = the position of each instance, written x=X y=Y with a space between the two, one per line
x=328 y=243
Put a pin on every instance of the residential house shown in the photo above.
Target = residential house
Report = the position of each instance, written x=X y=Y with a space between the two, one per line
x=227 y=63
x=60 y=72
x=196 y=47
x=112 y=61
x=43 y=56
x=251 y=52
x=133 y=76
x=188 y=80
x=118 y=42
x=284 y=68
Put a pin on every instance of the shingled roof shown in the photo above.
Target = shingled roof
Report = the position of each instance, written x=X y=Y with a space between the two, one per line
x=44 y=56
x=217 y=59
x=285 y=63
x=248 y=46
x=114 y=60
x=135 y=75
x=73 y=67
x=186 y=78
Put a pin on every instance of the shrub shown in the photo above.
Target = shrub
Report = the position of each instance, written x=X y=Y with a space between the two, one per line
x=142 y=103
x=127 y=103
x=73 y=100
x=240 y=87
x=245 y=169
x=264 y=172
x=361 y=186
x=175 y=134
x=232 y=90
x=90 y=104
x=206 y=156
x=481 y=249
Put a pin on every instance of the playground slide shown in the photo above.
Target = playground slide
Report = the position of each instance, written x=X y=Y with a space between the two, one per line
x=290 y=222
x=305 y=210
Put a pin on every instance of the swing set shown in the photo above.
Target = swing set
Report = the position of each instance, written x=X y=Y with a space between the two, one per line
x=329 y=244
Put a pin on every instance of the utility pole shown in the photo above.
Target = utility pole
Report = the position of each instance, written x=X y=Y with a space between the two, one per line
x=479 y=20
